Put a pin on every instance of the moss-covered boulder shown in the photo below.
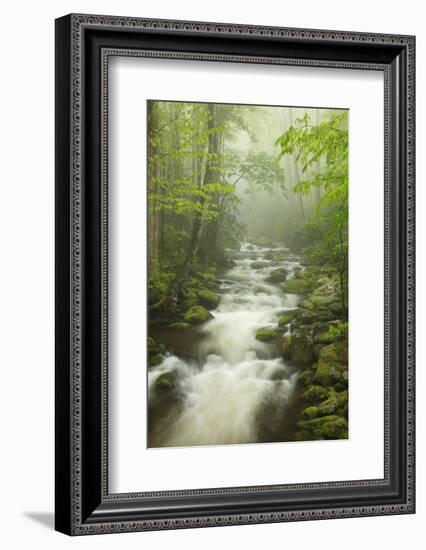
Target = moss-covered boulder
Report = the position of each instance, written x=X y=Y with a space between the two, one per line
x=315 y=394
x=332 y=363
x=155 y=352
x=197 y=315
x=181 y=325
x=155 y=360
x=166 y=382
x=302 y=346
x=208 y=299
x=190 y=297
x=207 y=279
x=286 y=349
x=265 y=334
x=287 y=317
x=306 y=377
x=310 y=412
x=277 y=275
x=325 y=427
x=300 y=287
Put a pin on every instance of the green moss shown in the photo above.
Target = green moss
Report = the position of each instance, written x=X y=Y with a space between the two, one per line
x=302 y=346
x=208 y=299
x=332 y=363
x=315 y=394
x=297 y=286
x=306 y=377
x=286 y=349
x=310 y=412
x=179 y=326
x=326 y=427
x=287 y=317
x=155 y=360
x=196 y=315
x=166 y=382
x=265 y=334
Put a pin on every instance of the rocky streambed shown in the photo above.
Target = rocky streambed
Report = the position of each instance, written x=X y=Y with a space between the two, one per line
x=254 y=353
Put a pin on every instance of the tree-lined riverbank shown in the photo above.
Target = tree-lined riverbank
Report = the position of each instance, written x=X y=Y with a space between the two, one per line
x=248 y=274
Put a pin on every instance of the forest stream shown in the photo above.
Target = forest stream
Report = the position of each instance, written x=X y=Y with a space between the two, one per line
x=230 y=387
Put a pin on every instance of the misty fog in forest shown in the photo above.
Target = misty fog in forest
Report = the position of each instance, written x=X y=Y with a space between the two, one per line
x=248 y=273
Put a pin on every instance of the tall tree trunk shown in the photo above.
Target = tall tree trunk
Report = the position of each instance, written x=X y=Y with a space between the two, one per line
x=152 y=184
x=209 y=174
x=297 y=174
x=318 y=189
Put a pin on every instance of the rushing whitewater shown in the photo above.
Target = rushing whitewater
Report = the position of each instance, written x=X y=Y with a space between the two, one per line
x=239 y=388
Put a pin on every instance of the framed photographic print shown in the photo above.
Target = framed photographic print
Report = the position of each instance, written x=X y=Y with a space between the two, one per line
x=234 y=274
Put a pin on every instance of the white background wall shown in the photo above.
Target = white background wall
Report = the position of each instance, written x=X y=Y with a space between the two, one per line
x=27 y=261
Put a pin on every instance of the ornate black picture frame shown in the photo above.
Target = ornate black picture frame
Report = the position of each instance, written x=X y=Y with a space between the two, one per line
x=83 y=45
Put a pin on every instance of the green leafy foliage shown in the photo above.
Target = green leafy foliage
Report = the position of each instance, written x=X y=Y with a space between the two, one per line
x=322 y=152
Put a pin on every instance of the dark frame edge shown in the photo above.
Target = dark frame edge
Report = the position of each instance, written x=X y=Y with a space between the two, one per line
x=63 y=493
x=95 y=519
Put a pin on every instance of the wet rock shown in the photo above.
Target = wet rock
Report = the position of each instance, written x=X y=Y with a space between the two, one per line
x=287 y=317
x=277 y=276
x=180 y=326
x=275 y=255
x=306 y=377
x=196 y=315
x=208 y=299
x=286 y=349
x=302 y=346
x=155 y=352
x=265 y=334
x=325 y=427
x=166 y=382
x=310 y=412
x=332 y=363
x=155 y=360
x=300 y=287
x=315 y=394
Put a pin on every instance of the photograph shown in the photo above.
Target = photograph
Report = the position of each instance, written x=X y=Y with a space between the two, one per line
x=247 y=258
